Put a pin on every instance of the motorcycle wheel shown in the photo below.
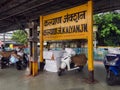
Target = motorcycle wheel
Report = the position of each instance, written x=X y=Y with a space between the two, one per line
x=110 y=78
x=80 y=68
x=60 y=72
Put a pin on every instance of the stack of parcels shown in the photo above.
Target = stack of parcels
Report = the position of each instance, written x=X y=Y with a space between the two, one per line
x=52 y=60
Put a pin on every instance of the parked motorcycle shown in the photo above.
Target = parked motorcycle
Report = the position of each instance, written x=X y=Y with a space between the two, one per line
x=112 y=65
x=72 y=61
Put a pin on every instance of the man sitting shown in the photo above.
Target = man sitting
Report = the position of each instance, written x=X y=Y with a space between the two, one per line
x=16 y=59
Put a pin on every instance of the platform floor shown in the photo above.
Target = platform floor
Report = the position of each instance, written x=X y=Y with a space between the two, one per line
x=12 y=79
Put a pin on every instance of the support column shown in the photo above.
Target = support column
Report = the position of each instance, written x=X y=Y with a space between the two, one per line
x=33 y=64
x=41 y=44
x=90 y=41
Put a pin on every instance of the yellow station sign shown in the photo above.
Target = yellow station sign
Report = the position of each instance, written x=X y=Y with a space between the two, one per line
x=67 y=24
x=74 y=23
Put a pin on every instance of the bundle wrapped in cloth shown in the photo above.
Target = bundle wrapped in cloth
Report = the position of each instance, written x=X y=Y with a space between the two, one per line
x=79 y=60
x=5 y=53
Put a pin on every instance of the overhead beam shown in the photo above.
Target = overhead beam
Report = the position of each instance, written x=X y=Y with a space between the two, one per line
x=44 y=10
x=11 y=5
x=11 y=28
x=48 y=1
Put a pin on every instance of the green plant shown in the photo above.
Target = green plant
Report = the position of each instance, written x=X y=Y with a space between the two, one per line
x=20 y=36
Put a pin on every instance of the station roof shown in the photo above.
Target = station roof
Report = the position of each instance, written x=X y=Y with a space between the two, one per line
x=14 y=14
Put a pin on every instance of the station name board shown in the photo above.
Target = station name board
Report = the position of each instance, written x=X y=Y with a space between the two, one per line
x=67 y=24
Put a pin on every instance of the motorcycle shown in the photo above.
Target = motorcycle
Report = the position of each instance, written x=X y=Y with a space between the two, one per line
x=72 y=61
x=112 y=66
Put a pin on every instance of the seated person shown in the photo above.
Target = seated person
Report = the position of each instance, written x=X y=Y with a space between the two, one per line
x=20 y=52
x=14 y=57
x=18 y=60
